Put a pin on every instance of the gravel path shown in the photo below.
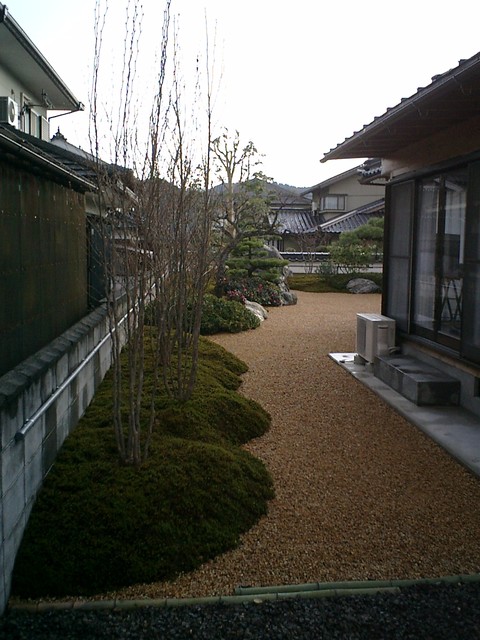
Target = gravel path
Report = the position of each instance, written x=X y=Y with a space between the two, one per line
x=360 y=493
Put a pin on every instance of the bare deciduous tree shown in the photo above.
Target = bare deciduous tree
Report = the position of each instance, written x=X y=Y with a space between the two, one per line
x=156 y=231
x=308 y=243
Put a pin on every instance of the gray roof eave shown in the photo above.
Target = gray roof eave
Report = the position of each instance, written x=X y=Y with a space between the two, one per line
x=358 y=145
x=33 y=69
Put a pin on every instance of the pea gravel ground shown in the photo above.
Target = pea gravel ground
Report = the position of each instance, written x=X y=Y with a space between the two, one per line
x=360 y=494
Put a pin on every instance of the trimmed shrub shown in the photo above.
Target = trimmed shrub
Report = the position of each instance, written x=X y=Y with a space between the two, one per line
x=255 y=289
x=220 y=314
x=100 y=527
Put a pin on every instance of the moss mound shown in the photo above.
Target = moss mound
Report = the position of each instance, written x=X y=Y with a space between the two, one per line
x=98 y=526
x=316 y=283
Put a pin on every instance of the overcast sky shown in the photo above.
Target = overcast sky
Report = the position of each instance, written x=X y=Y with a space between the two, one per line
x=297 y=77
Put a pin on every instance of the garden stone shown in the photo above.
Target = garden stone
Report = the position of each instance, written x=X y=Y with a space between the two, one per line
x=286 y=296
x=256 y=309
x=362 y=285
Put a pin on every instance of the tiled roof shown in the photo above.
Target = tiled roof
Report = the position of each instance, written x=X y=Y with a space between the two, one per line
x=370 y=170
x=295 y=221
x=43 y=156
x=355 y=218
x=59 y=159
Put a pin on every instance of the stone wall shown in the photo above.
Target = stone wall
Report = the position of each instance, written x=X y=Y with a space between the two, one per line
x=41 y=401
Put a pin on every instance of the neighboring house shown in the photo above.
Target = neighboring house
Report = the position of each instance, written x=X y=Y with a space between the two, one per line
x=343 y=193
x=29 y=86
x=311 y=217
x=429 y=146
x=353 y=219
x=42 y=202
x=117 y=188
x=54 y=350
x=291 y=215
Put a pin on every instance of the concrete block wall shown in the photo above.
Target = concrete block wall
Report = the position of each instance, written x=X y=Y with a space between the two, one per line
x=54 y=386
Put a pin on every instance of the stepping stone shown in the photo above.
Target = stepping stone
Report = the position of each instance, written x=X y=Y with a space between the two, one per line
x=420 y=383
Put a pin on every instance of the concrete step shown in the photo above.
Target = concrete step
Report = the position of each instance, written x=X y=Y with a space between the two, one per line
x=420 y=383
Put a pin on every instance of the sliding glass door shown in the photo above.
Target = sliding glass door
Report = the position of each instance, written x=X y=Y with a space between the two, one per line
x=471 y=285
x=439 y=258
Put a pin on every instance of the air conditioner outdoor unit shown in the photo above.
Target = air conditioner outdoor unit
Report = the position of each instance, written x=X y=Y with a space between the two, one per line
x=375 y=335
x=8 y=111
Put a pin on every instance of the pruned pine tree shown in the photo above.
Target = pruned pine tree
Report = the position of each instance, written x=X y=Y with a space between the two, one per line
x=243 y=198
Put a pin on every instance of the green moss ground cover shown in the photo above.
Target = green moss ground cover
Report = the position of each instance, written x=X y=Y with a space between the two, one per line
x=98 y=525
x=316 y=283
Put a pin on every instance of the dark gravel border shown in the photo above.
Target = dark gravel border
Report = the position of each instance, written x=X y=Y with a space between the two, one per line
x=421 y=612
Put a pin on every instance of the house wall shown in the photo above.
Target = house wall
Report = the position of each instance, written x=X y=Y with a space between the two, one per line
x=11 y=87
x=356 y=194
x=41 y=402
x=43 y=262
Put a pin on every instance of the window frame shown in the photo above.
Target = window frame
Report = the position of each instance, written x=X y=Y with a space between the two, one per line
x=465 y=346
x=339 y=197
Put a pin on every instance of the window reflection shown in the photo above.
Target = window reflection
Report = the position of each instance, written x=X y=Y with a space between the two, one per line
x=439 y=255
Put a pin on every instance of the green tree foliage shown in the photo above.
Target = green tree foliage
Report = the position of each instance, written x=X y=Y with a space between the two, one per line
x=371 y=234
x=250 y=258
x=372 y=231
x=231 y=316
x=242 y=199
x=355 y=250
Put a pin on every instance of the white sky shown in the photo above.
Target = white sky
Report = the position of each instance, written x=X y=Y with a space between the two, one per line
x=297 y=77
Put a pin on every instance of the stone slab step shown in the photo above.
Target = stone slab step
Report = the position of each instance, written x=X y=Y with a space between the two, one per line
x=420 y=383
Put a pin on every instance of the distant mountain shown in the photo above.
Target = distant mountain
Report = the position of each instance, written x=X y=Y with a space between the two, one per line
x=283 y=191
x=289 y=187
